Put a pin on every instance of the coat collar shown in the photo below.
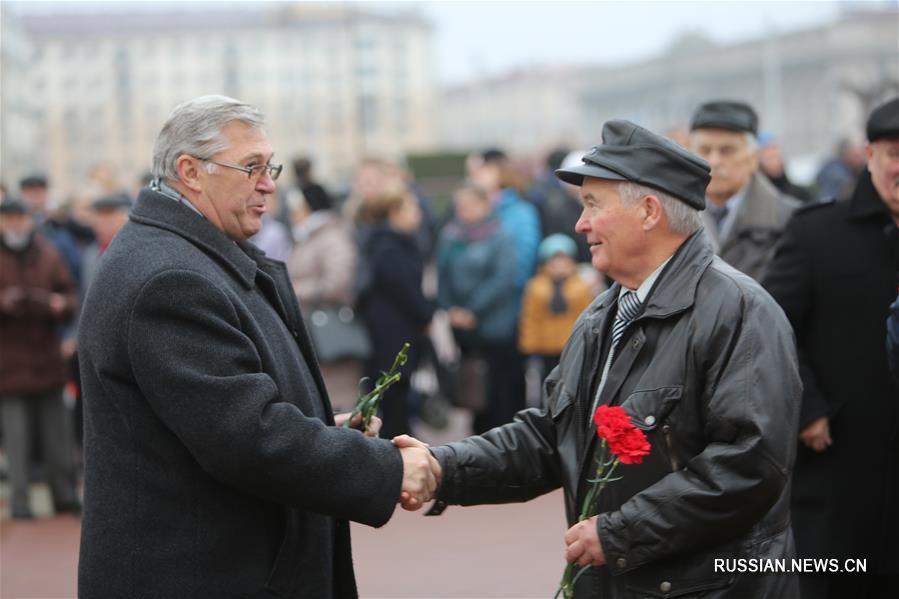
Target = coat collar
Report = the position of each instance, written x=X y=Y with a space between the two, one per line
x=760 y=208
x=675 y=289
x=156 y=210
x=865 y=201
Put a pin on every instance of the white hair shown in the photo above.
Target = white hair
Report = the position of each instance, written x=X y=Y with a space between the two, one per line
x=682 y=218
x=752 y=142
x=195 y=128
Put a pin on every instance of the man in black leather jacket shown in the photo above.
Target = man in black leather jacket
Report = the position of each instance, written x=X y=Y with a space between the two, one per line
x=707 y=368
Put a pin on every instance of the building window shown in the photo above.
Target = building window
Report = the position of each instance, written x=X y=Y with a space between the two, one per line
x=368 y=112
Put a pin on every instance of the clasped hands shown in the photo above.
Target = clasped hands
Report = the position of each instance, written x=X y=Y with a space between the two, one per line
x=421 y=472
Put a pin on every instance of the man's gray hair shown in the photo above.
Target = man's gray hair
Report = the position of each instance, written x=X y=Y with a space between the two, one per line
x=752 y=142
x=195 y=128
x=682 y=218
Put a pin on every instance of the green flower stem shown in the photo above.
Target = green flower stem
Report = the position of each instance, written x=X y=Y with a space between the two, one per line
x=367 y=405
x=588 y=510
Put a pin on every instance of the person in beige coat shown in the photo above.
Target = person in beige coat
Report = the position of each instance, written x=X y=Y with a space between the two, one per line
x=322 y=268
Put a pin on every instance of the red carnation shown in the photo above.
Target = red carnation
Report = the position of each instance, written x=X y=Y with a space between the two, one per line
x=619 y=437
x=626 y=442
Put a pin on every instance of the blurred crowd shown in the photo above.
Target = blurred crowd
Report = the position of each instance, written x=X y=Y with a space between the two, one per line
x=486 y=292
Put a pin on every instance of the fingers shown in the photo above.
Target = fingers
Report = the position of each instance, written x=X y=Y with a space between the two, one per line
x=583 y=545
x=574 y=551
x=374 y=427
x=407 y=441
x=816 y=436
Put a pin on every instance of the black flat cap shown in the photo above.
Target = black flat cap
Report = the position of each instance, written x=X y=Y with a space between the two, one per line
x=631 y=153
x=112 y=201
x=33 y=181
x=725 y=114
x=13 y=205
x=884 y=121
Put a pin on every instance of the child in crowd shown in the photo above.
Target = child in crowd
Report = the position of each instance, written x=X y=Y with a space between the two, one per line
x=553 y=300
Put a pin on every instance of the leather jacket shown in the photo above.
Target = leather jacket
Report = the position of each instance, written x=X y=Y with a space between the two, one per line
x=709 y=372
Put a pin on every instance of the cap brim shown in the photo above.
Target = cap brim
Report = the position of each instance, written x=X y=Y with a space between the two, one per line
x=575 y=175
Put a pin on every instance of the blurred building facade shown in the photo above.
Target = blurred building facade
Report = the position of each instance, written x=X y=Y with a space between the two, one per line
x=810 y=87
x=339 y=82
x=335 y=82
x=20 y=125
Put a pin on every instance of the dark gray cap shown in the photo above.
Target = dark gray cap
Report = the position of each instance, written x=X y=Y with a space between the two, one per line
x=631 y=153
x=13 y=205
x=112 y=201
x=725 y=114
x=884 y=121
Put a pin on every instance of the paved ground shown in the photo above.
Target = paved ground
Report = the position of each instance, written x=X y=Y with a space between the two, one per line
x=511 y=551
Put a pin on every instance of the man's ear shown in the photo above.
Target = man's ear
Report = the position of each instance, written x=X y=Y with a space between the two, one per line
x=652 y=212
x=188 y=169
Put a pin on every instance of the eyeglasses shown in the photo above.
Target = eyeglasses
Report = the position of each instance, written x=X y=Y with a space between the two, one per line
x=253 y=172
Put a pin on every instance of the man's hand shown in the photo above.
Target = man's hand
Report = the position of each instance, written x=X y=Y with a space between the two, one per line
x=421 y=473
x=57 y=303
x=460 y=318
x=11 y=300
x=816 y=435
x=583 y=544
x=374 y=425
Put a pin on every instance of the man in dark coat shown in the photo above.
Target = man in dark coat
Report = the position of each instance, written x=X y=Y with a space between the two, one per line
x=701 y=359
x=37 y=296
x=745 y=214
x=835 y=275
x=213 y=465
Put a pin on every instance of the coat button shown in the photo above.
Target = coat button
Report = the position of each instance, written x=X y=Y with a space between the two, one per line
x=636 y=343
x=665 y=587
x=650 y=420
x=621 y=562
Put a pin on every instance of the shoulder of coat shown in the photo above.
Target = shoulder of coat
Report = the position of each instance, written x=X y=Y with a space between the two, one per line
x=816 y=205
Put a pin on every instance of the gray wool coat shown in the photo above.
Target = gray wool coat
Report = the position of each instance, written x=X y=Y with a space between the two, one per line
x=212 y=466
x=758 y=226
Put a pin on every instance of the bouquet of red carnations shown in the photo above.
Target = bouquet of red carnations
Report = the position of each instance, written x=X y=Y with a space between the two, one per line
x=620 y=443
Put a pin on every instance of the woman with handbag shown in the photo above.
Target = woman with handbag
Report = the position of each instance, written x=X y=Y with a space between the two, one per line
x=322 y=267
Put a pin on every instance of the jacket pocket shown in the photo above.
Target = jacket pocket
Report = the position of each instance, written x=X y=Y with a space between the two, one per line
x=682 y=576
x=283 y=577
x=649 y=411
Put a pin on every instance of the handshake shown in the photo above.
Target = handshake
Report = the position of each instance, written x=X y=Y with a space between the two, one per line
x=421 y=473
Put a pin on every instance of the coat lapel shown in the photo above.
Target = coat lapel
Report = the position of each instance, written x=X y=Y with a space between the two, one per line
x=674 y=292
x=759 y=213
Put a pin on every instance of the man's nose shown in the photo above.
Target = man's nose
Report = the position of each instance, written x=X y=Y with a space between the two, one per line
x=582 y=225
x=265 y=184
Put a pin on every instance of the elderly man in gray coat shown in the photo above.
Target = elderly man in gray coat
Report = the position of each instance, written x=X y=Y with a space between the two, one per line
x=745 y=214
x=213 y=466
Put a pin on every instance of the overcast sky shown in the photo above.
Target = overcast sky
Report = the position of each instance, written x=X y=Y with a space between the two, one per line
x=488 y=38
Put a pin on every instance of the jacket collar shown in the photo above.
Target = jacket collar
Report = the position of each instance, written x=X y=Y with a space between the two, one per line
x=760 y=208
x=156 y=210
x=865 y=201
x=675 y=289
